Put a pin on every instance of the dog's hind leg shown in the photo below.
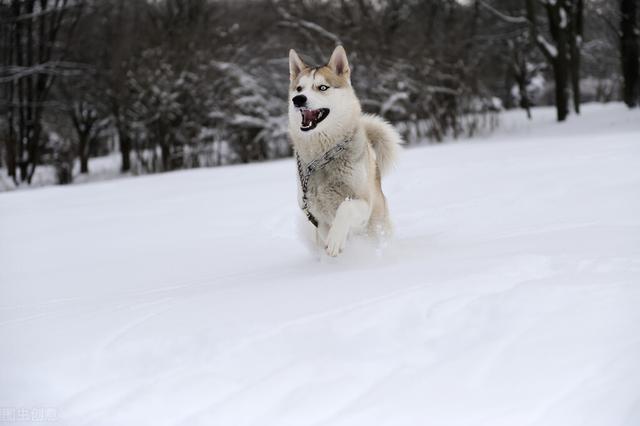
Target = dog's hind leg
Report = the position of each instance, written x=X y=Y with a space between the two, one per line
x=350 y=214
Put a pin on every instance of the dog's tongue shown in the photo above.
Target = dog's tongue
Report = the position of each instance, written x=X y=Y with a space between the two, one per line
x=308 y=116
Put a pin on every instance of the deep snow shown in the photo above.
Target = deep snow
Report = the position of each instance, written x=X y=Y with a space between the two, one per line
x=509 y=296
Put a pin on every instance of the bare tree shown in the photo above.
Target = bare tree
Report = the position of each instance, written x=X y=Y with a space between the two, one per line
x=555 y=53
x=575 y=15
x=33 y=57
x=521 y=73
x=88 y=123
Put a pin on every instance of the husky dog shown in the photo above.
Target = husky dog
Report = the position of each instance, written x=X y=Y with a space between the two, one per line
x=341 y=153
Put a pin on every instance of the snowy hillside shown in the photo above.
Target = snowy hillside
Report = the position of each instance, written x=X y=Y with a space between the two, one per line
x=509 y=296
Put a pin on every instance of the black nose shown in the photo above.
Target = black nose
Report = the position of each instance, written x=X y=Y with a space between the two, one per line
x=299 y=100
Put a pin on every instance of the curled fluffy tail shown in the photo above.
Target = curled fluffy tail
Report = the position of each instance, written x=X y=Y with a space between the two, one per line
x=384 y=140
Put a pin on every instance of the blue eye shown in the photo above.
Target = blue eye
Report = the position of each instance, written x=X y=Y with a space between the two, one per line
x=323 y=87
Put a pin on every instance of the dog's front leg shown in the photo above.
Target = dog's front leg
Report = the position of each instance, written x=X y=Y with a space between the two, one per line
x=350 y=214
x=321 y=234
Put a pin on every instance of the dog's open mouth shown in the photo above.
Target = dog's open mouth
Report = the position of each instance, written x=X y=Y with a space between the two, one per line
x=311 y=117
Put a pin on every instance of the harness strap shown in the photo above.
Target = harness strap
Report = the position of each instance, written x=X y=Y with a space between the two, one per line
x=305 y=173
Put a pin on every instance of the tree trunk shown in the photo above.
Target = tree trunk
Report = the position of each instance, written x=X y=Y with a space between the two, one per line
x=561 y=74
x=166 y=156
x=84 y=164
x=83 y=153
x=521 y=80
x=629 y=52
x=575 y=75
x=11 y=144
x=525 y=103
x=557 y=57
x=575 y=43
x=125 y=150
x=34 y=148
x=24 y=170
x=521 y=76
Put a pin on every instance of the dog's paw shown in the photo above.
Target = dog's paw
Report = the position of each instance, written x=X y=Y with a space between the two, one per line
x=335 y=244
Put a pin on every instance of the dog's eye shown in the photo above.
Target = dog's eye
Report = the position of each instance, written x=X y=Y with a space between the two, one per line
x=323 y=87
x=299 y=89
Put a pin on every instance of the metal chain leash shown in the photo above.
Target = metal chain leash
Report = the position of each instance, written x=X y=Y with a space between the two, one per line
x=305 y=173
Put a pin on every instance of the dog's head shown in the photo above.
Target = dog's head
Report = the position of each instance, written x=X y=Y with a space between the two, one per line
x=321 y=99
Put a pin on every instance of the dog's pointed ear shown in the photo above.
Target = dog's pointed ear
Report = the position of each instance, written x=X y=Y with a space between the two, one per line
x=338 y=62
x=295 y=64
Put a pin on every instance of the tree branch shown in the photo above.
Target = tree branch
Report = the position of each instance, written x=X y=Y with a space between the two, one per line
x=507 y=18
x=14 y=73
x=538 y=39
x=308 y=25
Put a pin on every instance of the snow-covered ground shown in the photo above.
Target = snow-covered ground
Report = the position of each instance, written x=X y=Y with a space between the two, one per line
x=509 y=296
